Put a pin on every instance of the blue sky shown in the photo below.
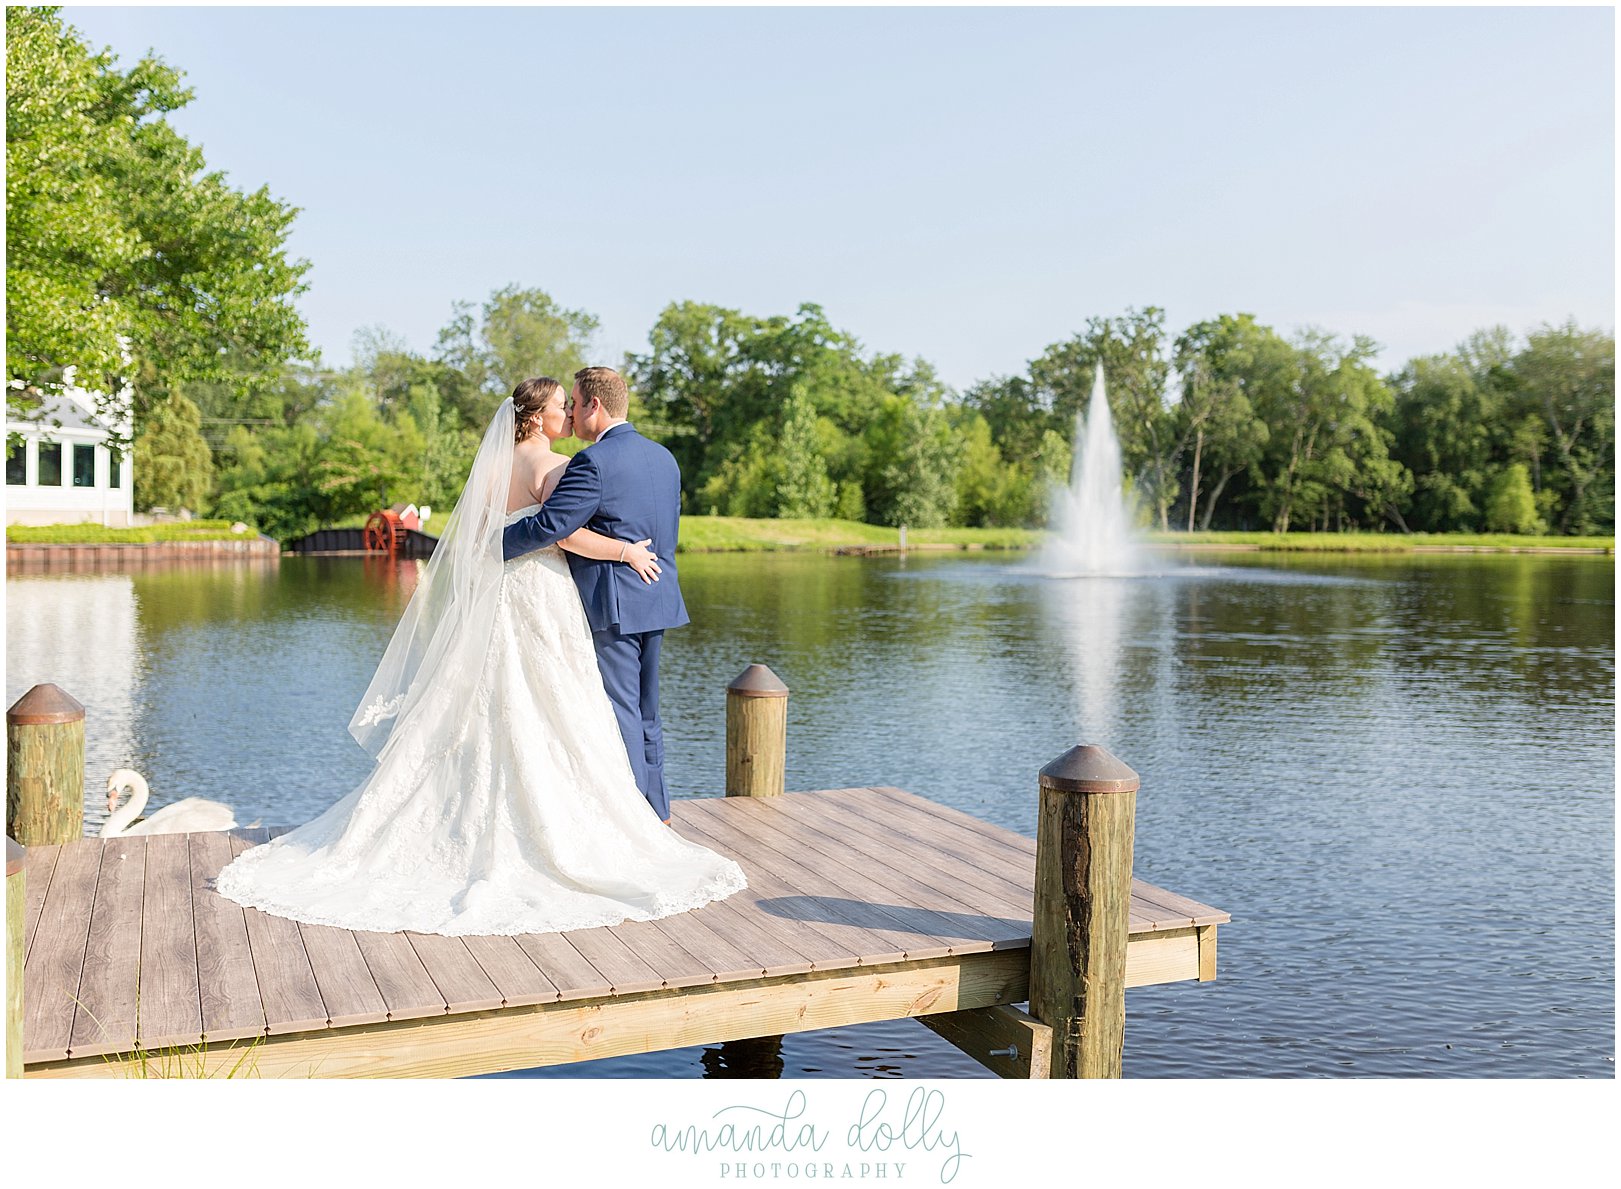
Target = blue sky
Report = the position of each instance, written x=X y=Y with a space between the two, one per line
x=964 y=185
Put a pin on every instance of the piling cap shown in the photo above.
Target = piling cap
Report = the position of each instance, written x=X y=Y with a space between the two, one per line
x=1088 y=769
x=42 y=705
x=757 y=681
x=14 y=856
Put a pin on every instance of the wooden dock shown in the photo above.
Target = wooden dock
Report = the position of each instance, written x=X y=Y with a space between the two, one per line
x=863 y=904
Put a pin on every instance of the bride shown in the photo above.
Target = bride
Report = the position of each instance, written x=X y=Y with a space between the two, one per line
x=502 y=801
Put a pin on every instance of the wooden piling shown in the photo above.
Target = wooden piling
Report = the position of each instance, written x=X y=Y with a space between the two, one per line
x=45 y=768
x=14 y=958
x=756 y=734
x=1084 y=835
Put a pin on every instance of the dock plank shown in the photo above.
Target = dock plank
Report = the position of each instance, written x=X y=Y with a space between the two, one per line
x=39 y=864
x=992 y=860
x=1178 y=910
x=839 y=881
x=808 y=893
x=227 y=987
x=984 y=855
x=819 y=884
x=892 y=864
x=407 y=990
x=711 y=950
x=879 y=826
x=104 y=1018
x=626 y=973
x=287 y=987
x=460 y=979
x=347 y=988
x=56 y=959
x=993 y=852
x=514 y=974
x=170 y=1008
x=948 y=814
x=787 y=946
x=564 y=967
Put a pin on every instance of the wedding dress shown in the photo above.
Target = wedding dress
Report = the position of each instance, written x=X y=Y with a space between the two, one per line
x=502 y=801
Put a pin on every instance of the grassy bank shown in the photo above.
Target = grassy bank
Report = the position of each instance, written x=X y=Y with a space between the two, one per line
x=95 y=534
x=733 y=534
x=736 y=534
x=1378 y=542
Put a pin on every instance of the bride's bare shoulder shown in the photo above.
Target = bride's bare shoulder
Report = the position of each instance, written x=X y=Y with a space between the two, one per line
x=534 y=471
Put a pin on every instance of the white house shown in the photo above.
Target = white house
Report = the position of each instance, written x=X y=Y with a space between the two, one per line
x=62 y=471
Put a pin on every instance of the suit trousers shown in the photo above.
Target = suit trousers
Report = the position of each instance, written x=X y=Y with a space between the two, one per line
x=630 y=674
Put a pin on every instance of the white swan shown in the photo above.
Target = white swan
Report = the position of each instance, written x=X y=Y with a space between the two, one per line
x=183 y=817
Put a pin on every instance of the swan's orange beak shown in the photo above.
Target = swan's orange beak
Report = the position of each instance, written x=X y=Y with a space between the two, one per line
x=112 y=800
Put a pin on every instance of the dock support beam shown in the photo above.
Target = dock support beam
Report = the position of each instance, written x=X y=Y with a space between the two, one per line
x=1003 y=1039
x=1084 y=834
x=14 y=959
x=45 y=768
x=756 y=734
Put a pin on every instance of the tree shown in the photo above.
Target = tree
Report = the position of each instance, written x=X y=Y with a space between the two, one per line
x=1015 y=414
x=1511 y=506
x=714 y=378
x=1130 y=350
x=1567 y=375
x=173 y=466
x=64 y=231
x=124 y=255
x=1221 y=362
x=1445 y=424
x=517 y=334
x=912 y=466
x=1325 y=440
x=803 y=486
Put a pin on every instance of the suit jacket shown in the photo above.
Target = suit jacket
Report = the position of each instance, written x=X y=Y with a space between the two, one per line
x=625 y=487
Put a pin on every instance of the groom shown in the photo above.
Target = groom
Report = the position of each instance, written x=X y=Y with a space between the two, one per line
x=629 y=488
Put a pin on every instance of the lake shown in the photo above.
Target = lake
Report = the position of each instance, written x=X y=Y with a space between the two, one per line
x=1396 y=772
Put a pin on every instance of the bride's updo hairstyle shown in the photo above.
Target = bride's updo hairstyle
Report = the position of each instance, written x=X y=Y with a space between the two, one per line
x=528 y=399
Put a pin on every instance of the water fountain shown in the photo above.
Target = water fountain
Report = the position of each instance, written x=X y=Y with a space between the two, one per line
x=1092 y=534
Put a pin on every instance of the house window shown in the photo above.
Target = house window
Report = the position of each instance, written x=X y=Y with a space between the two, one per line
x=50 y=464
x=16 y=463
x=115 y=469
x=84 y=465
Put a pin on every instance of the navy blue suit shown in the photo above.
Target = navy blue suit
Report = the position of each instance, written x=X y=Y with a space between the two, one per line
x=628 y=488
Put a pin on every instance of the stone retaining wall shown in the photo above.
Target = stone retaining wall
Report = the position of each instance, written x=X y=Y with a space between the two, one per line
x=34 y=556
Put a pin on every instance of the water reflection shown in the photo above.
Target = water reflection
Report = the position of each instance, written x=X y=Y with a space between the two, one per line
x=1338 y=750
x=81 y=634
x=1089 y=614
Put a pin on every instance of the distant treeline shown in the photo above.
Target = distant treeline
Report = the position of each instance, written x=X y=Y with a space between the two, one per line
x=1230 y=425
x=131 y=262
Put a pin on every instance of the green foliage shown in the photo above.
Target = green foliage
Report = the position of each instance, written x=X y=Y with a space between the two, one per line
x=1548 y=407
x=803 y=487
x=517 y=334
x=96 y=534
x=126 y=258
x=1223 y=364
x=1511 y=505
x=1131 y=351
x=173 y=466
x=1568 y=376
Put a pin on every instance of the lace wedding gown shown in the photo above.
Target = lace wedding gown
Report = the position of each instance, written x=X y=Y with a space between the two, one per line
x=514 y=813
